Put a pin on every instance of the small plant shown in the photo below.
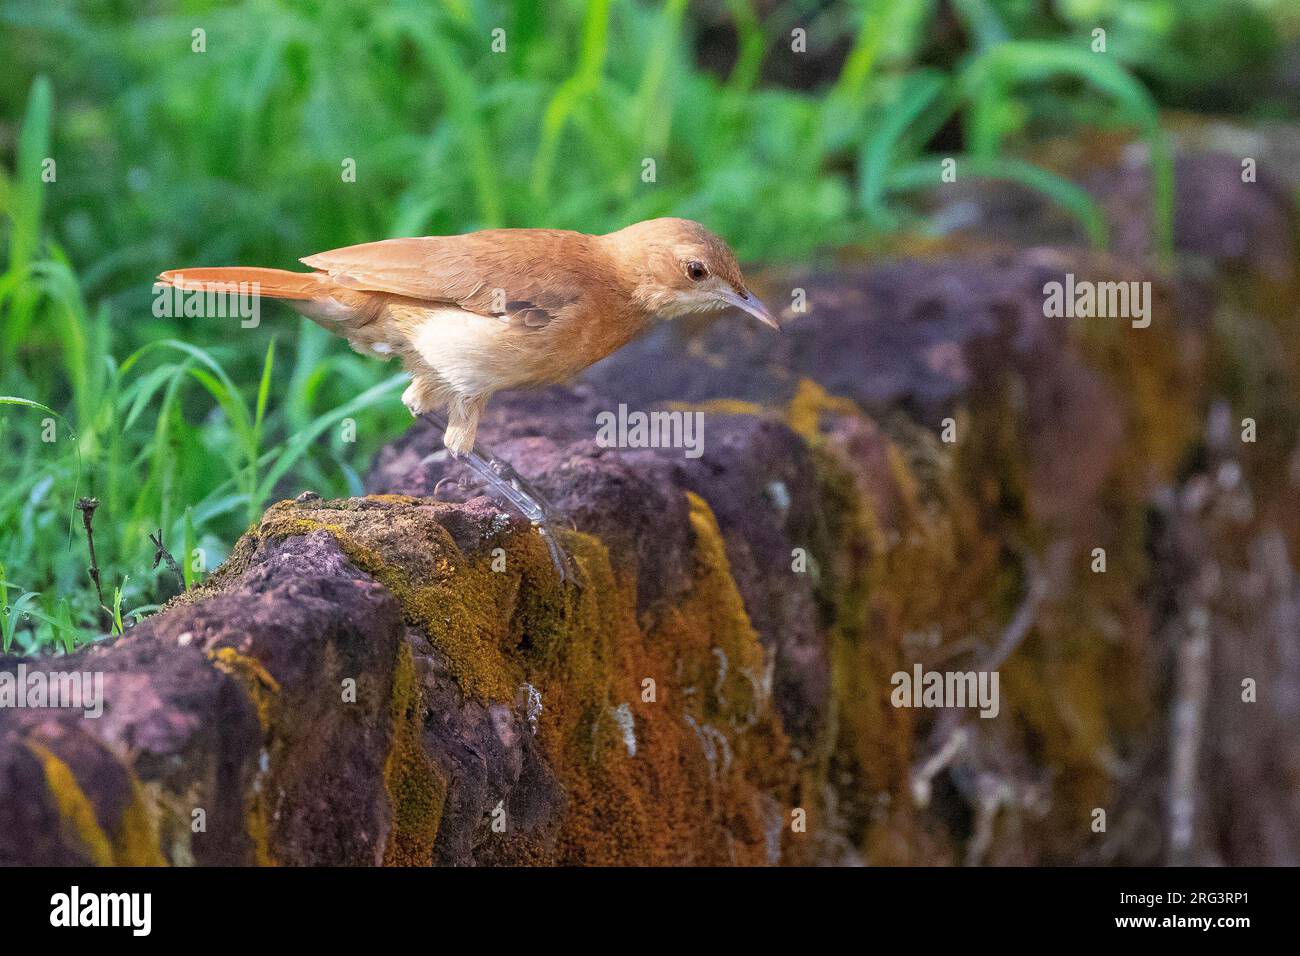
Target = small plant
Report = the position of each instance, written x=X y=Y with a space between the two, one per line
x=12 y=615
x=118 y=627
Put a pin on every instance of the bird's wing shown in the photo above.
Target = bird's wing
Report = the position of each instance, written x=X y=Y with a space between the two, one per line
x=525 y=277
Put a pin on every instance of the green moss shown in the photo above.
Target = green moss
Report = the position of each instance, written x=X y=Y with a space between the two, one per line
x=457 y=600
x=416 y=791
x=709 y=751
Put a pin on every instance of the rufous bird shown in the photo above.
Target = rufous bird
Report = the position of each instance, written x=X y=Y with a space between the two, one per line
x=471 y=315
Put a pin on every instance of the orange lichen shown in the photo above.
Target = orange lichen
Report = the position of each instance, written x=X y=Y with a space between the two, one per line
x=257 y=680
x=80 y=827
x=809 y=403
x=263 y=690
x=134 y=844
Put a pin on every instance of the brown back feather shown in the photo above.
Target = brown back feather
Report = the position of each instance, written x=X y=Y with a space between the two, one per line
x=535 y=270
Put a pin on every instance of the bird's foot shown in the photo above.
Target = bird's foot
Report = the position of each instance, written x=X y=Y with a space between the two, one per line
x=449 y=482
x=550 y=514
x=507 y=484
x=533 y=507
x=543 y=515
x=563 y=562
x=539 y=514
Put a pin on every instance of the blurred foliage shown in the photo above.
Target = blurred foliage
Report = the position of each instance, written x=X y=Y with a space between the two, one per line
x=1209 y=55
x=167 y=156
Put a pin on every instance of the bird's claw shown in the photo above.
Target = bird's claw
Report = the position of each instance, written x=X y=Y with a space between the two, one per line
x=507 y=473
x=511 y=486
x=550 y=514
x=564 y=564
x=544 y=518
x=437 y=489
x=502 y=478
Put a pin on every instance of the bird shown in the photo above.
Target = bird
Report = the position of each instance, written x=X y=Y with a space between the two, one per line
x=473 y=314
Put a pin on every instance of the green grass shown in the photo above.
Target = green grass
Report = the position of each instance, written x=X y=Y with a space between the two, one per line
x=165 y=157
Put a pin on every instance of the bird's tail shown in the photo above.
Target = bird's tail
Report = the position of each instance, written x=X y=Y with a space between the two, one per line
x=272 y=283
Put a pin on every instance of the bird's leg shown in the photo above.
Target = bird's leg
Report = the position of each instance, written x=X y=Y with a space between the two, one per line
x=502 y=478
x=534 y=509
x=506 y=472
x=501 y=471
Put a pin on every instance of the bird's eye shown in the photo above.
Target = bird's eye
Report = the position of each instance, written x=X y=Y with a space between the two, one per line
x=696 y=270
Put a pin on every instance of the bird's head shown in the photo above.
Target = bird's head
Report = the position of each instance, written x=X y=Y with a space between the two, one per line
x=678 y=267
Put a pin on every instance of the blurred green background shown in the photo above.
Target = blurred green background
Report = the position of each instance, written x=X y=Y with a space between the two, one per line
x=173 y=148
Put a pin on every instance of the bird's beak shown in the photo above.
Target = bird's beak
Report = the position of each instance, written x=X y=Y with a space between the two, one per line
x=749 y=303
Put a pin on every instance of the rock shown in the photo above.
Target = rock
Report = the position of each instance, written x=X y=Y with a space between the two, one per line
x=921 y=471
x=176 y=736
x=1221 y=216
